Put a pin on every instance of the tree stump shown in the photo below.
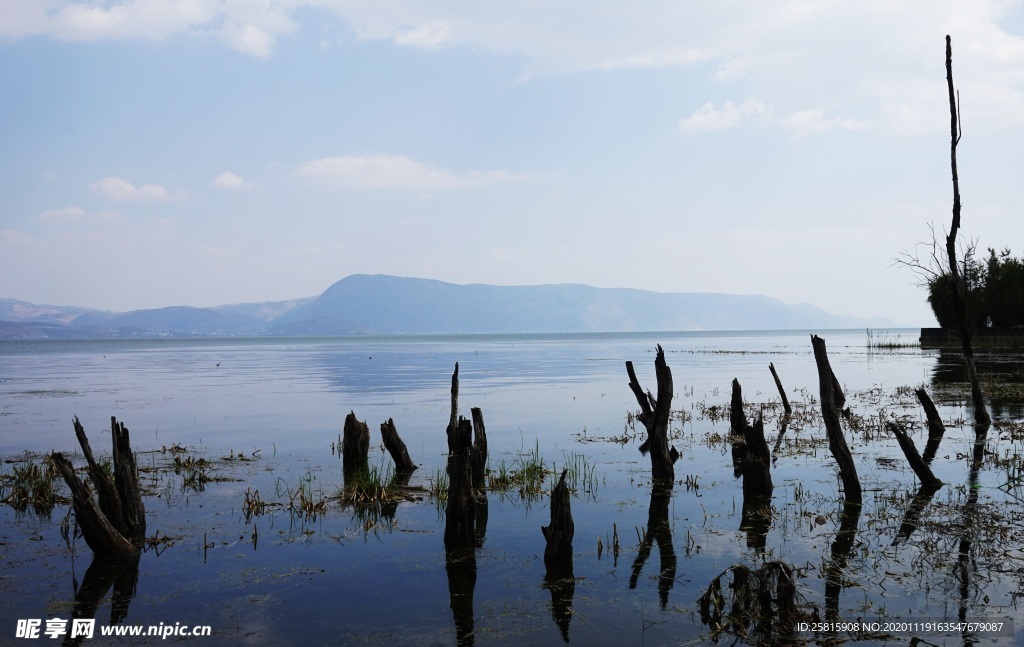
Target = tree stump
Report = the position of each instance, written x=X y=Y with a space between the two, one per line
x=460 y=513
x=115 y=527
x=654 y=415
x=558 y=534
x=355 y=447
x=830 y=413
x=395 y=446
x=478 y=455
x=756 y=459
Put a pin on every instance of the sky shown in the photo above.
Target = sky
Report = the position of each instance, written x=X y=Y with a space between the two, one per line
x=206 y=152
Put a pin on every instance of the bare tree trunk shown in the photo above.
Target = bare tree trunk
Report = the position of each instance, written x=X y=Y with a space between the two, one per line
x=755 y=459
x=960 y=303
x=782 y=391
x=830 y=413
x=936 y=428
x=103 y=538
x=654 y=414
x=126 y=481
x=395 y=446
x=479 y=451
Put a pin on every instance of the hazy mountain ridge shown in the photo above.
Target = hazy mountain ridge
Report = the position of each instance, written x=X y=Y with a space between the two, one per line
x=381 y=304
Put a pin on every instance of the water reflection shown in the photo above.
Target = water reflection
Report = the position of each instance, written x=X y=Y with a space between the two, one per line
x=756 y=520
x=842 y=549
x=913 y=515
x=99 y=577
x=760 y=606
x=460 y=564
x=1002 y=374
x=659 y=530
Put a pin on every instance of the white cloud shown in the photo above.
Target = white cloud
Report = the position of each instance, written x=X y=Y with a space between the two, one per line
x=814 y=121
x=248 y=39
x=709 y=118
x=396 y=172
x=64 y=215
x=118 y=188
x=429 y=36
x=232 y=182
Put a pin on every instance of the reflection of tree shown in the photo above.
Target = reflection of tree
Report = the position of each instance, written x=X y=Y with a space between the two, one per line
x=659 y=531
x=760 y=607
x=842 y=547
x=101 y=574
x=966 y=561
x=559 y=579
x=756 y=520
x=917 y=505
x=460 y=563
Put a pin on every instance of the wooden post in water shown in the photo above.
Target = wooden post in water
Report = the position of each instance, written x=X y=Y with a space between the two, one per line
x=756 y=458
x=559 y=533
x=654 y=415
x=936 y=428
x=830 y=413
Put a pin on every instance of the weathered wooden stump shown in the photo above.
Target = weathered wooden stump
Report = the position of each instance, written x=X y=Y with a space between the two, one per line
x=393 y=443
x=654 y=415
x=559 y=533
x=478 y=454
x=115 y=527
x=466 y=512
x=830 y=413
x=755 y=458
x=355 y=447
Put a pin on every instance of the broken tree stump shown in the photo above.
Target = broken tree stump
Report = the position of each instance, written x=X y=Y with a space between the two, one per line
x=654 y=415
x=460 y=513
x=478 y=454
x=830 y=413
x=782 y=391
x=559 y=532
x=928 y=479
x=755 y=458
x=115 y=526
x=395 y=446
x=355 y=447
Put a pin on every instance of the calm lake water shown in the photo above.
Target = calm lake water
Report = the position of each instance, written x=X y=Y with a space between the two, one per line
x=346 y=577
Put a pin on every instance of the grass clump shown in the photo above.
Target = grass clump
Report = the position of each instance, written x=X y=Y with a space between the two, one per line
x=31 y=485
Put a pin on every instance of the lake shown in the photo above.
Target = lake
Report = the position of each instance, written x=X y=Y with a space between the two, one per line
x=264 y=416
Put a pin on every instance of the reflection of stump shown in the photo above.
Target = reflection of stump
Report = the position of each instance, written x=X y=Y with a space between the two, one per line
x=659 y=530
x=395 y=446
x=760 y=607
x=913 y=515
x=842 y=548
x=756 y=520
x=355 y=447
x=101 y=574
x=115 y=527
x=560 y=581
x=460 y=564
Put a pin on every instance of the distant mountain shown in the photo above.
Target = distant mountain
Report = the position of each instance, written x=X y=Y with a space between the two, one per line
x=379 y=304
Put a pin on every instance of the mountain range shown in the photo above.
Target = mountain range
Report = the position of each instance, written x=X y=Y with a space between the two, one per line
x=364 y=304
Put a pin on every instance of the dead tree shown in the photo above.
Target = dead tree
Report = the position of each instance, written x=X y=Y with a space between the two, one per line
x=782 y=391
x=830 y=413
x=654 y=415
x=395 y=446
x=115 y=527
x=355 y=447
x=960 y=282
x=928 y=479
x=756 y=458
x=558 y=534
x=466 y=513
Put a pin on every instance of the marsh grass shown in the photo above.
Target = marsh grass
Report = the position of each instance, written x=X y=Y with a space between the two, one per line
x=31 y=484
x=526 y=474
x=306 y=501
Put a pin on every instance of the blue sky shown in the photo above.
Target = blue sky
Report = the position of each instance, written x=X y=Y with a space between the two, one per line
x=202 y=152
